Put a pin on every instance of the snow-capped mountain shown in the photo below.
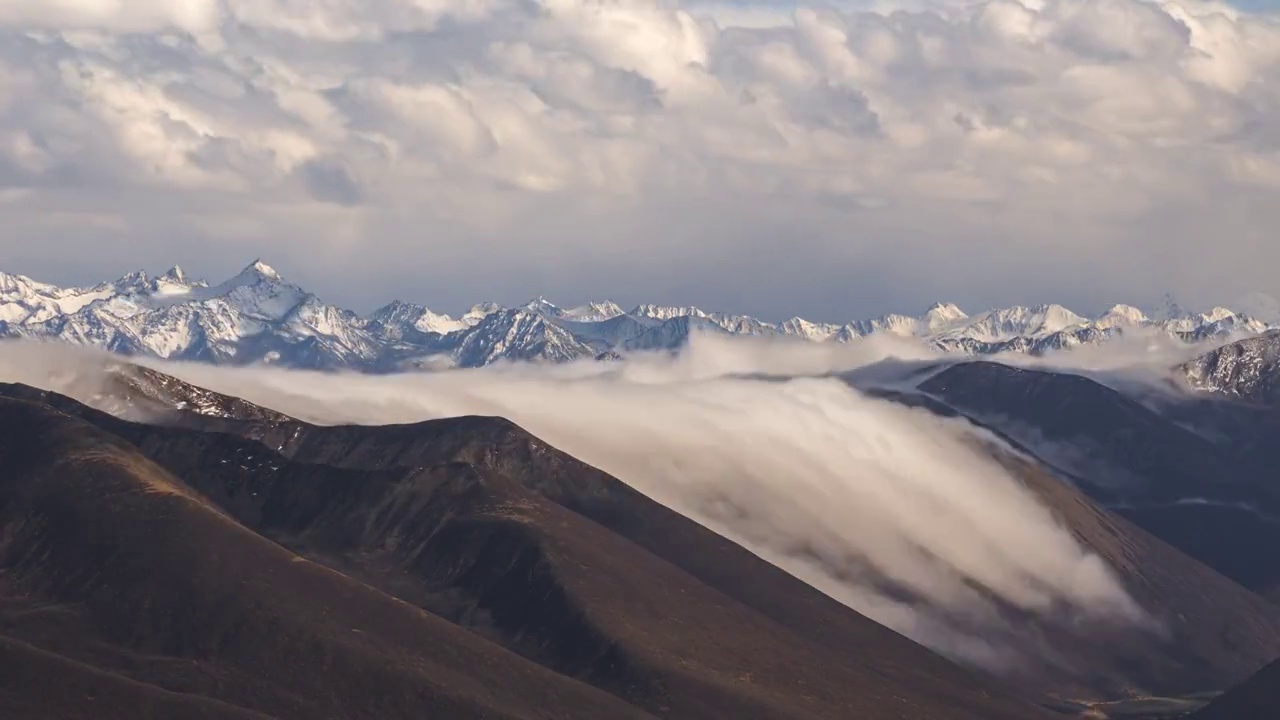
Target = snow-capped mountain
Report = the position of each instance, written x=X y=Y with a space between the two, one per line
x=259 y=317
x=1248 y=369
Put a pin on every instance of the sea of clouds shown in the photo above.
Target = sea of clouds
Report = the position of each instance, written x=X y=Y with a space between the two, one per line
x=909 y=518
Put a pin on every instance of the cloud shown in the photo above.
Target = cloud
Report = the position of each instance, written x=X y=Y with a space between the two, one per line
x=899 y=514
x=834 y=163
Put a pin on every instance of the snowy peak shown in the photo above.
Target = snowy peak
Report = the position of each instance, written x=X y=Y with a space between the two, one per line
x=257 y=316
x=134 y=280
x=591 y=312
x=1055 y=318
x=173 y=282
x=1121 y=316
x=1247 y=369
x=1018 y=321
x=479 y=312
x=398 y=317
x=262 y=270
x=893 y=323
x=1217 y=314
x=518 y=335
x=940 y=316
x=542 y=306
x=398 y=312
x=666 y=312
x=799 y=327
x=594 y=312
x=946 y=311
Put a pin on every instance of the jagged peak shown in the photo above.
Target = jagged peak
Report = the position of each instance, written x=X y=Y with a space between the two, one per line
x=1217 y=314
x=947 y=310
x=482 y=310
x=395 y=309
x=254 y=273
x=666 y=312
x=1121 y=314
x=396 y=305
x=261 y=269
x=175 y=274
x=940 y=316
x=1122 y=309
x=10 y=282
x=595 y=310
x=159 y=312
x=137 y=277
x=543 y=306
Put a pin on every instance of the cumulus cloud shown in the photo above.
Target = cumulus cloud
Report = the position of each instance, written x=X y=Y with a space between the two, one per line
x=861 y=159
x=899 y=514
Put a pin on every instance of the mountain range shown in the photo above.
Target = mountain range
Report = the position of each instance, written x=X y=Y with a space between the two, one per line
x=241 y=564
x=172 y=551
x=259 y=317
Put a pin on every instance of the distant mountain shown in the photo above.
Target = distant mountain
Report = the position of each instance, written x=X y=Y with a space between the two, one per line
x=1246 y=370
x=1193 y=469
x=259 y=317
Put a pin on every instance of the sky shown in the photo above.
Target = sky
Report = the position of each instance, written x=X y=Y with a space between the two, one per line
x=829 y=161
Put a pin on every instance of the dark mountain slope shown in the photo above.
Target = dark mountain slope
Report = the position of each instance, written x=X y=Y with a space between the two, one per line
x=35 y=683
x=452 y=528
x=1213 y=632
x=1116 y=446
x=1205 y=648
x=1258 y=698
x=109 y=562
x=1198 y=475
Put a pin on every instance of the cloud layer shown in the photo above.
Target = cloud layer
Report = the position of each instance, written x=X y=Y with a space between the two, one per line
x=833 y=163
x=895 y=512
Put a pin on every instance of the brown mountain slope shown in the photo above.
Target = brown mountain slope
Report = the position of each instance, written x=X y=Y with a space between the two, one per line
x=35 y=683
x=1258 y=698
x=110 y=563
x=461 y=532
x=1212 y=633
x=1198 y=646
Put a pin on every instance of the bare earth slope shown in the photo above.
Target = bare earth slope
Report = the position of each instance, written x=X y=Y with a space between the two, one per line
x=457 y=569
x=109 y=562
x=1258 y=698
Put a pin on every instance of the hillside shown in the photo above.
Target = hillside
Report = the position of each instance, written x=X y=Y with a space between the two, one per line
x=245 y=581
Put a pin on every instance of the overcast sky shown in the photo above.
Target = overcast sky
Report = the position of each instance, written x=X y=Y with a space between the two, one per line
x=830 y=161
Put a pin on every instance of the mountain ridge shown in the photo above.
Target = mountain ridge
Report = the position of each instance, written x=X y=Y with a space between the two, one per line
x=257 y=316
x=419 y=575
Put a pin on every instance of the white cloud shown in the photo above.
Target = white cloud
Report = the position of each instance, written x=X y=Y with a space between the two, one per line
x=193 y=16
x=899 y=514
x=582 y=144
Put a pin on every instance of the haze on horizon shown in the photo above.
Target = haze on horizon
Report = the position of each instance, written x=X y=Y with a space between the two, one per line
x=772 y=159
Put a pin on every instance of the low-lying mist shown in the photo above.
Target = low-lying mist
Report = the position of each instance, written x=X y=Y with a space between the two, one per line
x=903 y=516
